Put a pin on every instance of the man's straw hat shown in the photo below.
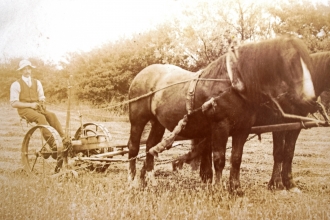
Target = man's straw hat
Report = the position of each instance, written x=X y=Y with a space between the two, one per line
x=24 y=63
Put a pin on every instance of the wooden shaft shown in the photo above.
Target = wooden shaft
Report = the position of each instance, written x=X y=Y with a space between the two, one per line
x=286 y=127
x=103 y=159
x=68 y=112
x=114 y=153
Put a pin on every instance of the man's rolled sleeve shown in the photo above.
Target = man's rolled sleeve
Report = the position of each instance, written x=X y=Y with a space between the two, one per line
x=15 y=89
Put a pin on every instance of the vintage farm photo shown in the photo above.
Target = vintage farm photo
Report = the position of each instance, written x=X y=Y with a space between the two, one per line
x=165 y=109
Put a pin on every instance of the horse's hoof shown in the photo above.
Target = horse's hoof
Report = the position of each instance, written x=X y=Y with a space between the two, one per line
x=150 y=178
x=207 y=177
x=174 y=167
x=133 y=184
x=275 y=186
x=238 y=192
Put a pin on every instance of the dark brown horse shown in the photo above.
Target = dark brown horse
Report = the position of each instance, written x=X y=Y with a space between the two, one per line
x=256 y=71
x=283 y=141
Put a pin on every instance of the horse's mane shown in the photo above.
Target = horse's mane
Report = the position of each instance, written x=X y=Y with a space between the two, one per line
x=216 y=69
x=264 y=66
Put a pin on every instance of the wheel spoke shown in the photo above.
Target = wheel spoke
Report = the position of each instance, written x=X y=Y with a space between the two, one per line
x=36 y=156
x=35 y=161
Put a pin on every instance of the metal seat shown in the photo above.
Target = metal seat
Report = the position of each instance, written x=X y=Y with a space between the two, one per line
x=25 y=123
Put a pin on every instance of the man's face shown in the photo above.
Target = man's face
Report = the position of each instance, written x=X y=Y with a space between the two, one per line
x=26 y=71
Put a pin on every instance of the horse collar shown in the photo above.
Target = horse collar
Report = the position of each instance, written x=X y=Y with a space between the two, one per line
x=191 y=92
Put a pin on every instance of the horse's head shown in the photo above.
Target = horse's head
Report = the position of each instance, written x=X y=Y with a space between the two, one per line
x=297 y=75
x=272 y=68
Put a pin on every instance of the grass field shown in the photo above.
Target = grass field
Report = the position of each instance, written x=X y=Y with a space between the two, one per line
x=179 y=195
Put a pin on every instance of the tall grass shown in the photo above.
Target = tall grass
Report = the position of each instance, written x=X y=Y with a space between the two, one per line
x=177 y=196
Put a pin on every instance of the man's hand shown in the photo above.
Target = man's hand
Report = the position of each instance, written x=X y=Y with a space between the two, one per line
x=34 y=105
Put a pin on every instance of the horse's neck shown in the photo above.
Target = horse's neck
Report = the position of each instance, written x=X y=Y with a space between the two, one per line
x=320 y=82
x=216 y=70
x=321 y=73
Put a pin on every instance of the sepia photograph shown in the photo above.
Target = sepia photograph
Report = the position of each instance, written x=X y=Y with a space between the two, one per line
x=165 y=109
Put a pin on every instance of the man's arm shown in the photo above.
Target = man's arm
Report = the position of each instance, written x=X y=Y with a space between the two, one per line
x=18 y=104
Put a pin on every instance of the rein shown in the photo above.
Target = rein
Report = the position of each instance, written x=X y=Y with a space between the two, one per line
x=174 y=84
x=163 y=88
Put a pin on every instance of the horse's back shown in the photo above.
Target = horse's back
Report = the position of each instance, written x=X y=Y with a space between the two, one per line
x=163 y=88
x=155 y=77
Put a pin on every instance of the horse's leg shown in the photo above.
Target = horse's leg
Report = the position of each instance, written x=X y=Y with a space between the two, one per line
x=178 y=163
x=193 y=157
x=290 y=143
x=155 y=136
x=206 y=172
x=238 y=141
x=133 y=145
x=188 y=157
x=278 y=153
x=219 y=140
x=201 y=148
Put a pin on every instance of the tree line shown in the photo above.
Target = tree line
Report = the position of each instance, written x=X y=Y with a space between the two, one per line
x=192 y=40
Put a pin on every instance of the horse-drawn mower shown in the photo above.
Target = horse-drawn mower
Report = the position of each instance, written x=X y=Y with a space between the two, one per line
x=93 y=141
x=38 y=157
x=92 y=145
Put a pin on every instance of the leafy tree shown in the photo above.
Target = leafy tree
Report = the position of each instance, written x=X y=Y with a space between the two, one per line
x=305 y=19
x=192 y=40
x=8 y=76
x=104 y=74
x=48 y=74
x=247 y=20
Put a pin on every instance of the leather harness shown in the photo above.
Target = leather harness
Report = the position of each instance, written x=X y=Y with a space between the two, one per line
x=190 y=98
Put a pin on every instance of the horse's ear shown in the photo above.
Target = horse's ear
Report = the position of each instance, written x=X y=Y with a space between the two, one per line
x=233 y=41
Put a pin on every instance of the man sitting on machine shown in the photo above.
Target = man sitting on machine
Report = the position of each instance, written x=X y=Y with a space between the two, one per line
x=27 y=95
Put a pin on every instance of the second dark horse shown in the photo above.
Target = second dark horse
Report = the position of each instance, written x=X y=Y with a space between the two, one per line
x=283 y=141
x=239 y=82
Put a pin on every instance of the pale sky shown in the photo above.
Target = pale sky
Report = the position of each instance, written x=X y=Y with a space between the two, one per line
x=50 y=28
